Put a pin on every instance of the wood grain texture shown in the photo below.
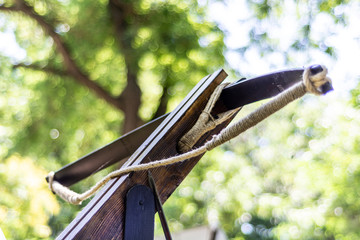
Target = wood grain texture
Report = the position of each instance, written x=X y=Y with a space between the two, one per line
x=103 y=217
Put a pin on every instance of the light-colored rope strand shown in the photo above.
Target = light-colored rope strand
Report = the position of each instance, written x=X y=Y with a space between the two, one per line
x=205 y=122
x=310 y=83
x=257 y=116
x=76 y=198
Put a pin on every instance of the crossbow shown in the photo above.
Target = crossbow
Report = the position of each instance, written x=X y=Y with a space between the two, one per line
x=107 y=215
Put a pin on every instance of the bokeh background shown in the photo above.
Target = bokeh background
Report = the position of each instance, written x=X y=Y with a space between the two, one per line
x=75 y=75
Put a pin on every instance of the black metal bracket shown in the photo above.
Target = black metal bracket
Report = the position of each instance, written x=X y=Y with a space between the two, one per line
x=141 y=206
x=139 y=215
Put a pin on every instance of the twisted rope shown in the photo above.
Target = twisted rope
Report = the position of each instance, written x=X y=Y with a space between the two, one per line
x=311 y=83
x=205 y=122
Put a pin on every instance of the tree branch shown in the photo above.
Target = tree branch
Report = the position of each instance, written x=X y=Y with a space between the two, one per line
x=70 y=65
x=131 y=95
x=161 y=110
x=46 y=69
x=9 y=9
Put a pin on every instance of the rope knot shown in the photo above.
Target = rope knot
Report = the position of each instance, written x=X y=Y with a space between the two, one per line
x=205 y=122
x=316 y=80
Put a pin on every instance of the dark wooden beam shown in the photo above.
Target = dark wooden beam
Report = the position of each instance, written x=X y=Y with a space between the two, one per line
x=103 y=217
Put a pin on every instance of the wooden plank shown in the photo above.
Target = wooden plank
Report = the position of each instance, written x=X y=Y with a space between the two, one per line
x=103 y=217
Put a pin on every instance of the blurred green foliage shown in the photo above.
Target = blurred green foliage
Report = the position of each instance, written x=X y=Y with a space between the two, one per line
x=294 y=177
